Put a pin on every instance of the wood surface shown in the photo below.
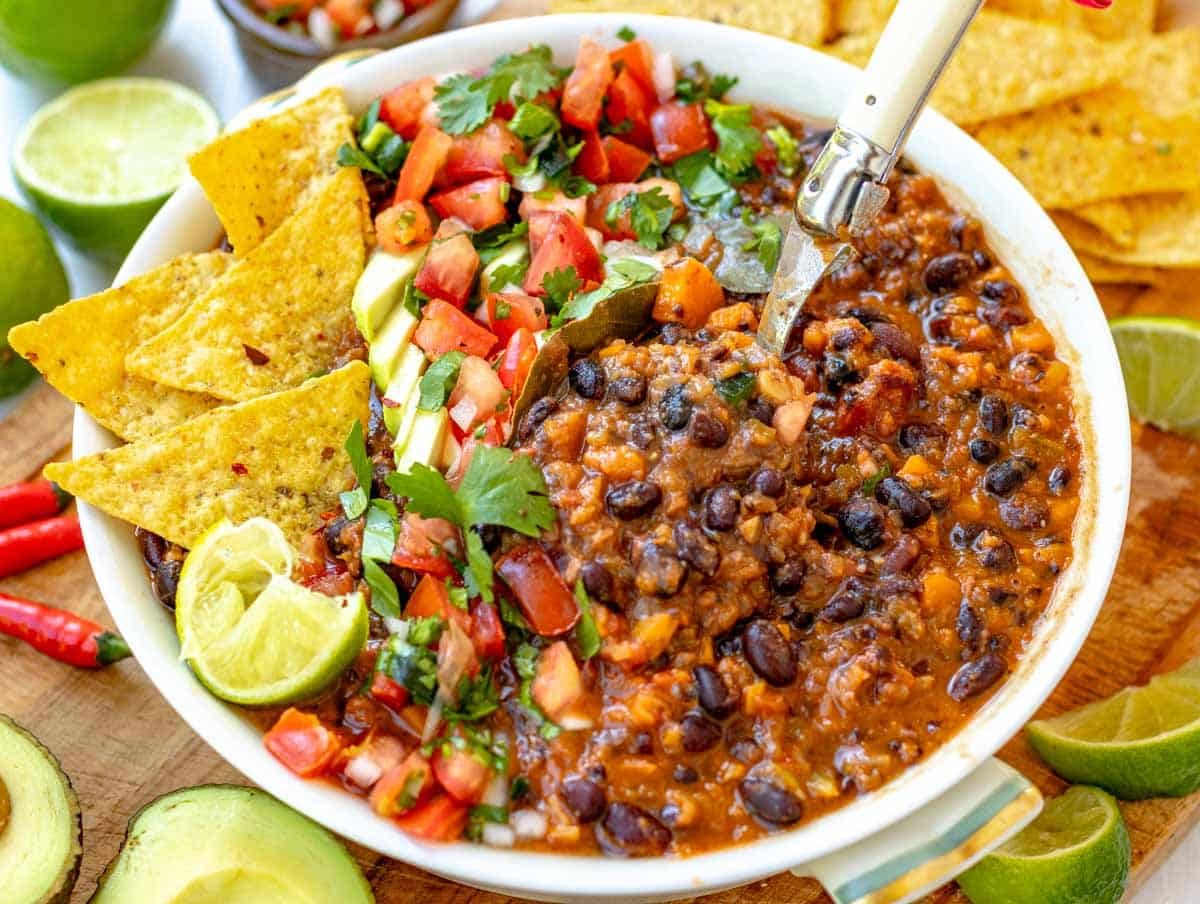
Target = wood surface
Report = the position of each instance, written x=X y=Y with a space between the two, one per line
x=122 y=745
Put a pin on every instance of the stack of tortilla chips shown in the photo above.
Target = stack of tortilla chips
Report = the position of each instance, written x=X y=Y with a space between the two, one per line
x=1093 y=110
x=226 y=372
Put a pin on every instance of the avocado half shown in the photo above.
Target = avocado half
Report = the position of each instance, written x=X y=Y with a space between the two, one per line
x=40 y=829
x=225 y=844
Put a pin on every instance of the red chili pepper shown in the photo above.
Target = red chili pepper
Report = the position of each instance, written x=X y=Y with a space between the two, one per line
x=24 y=502
x=30 y=544
x=1095 y=4
x=60 y=634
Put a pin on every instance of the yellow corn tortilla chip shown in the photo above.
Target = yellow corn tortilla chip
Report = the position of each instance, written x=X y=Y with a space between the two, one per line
x=861 y=15
x=1166 y=71
x=1166 y=232
x=1102 y=271
x=280 y=456
x=1124 y=19
x=803 y=21
x=1007 y=65
x=1111 y=217
x=258 y=176
x=286 y=306
x=81 y=346
x=1102 y=145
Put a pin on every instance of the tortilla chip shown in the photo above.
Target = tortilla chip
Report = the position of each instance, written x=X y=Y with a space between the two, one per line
x=1165 y=230
x=258 y=176
x=80 y=347
x=861 y=15
x=1102 y=145
x=286 y=306
x=1124 y=19
x=1111 y=217
x=1166 y=72
x=280 y=456
x=1101 y=271
x=803 y=21
x=1008 y=65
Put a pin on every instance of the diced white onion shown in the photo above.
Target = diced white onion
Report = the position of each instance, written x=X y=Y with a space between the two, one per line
x=529 y=825
x=496 y=793
x=664 y=76
x=463 y=414
x=387 y=13
x=365 y=24
x=433 y=719
x=574 y=722
x=363 y=771
x=322 y=29
x=497 y=835
x=595 y=236
x=536 y=181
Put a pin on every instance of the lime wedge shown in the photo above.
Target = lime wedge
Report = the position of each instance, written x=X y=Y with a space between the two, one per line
x=1158 y=358
x=252 y=635
x=1141 y=742
x=1076 y=852
x=101 y=159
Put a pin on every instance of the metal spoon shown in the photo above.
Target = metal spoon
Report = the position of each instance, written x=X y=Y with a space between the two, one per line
x=844 y=191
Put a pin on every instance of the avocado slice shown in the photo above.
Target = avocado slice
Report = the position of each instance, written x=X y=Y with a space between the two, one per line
x=389 y=345
x=380 y=287
x=424 y=440
x=40 y=830
x=513 y=253
x=402 y=390
x=224 y=844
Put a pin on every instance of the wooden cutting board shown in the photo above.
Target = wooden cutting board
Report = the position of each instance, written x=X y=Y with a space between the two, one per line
x=123 y=745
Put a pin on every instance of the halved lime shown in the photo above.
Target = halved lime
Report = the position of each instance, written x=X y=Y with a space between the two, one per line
x=1159 y=358
x=1076 y=852
x=251 y=634
x=101 y=159
x=1141 y=742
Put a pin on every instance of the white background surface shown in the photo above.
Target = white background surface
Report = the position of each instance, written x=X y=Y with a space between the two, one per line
x=198 y=49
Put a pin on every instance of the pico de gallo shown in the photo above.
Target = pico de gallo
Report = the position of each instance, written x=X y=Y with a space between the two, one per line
x=329 y=22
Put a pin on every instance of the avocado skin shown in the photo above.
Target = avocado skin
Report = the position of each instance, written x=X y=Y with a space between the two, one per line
x=61 y=893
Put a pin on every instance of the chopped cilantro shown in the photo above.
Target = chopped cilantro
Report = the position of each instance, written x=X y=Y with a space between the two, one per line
x=414 y=665
x=463 y=104
x=767 y=241
x=697 y=84
x=412 y=299
x=737 y=140
x=484 y=813
x=738 y=388
x=575 y=186
x=379 y=535
x=354 y=502
x=704 y=187
x=650 y=214
x=349 y=155
x=560 y=285
x=477 y=698
x=868 y=487
x=787 y=150
x=507 y=275
x=524 y=660
x=625 y=33
x=490 y=241
x=503 y=310
x=532 y=120
x=621 y=274
x=458 y=595
x=586 y=634
x=466 y=103
x=425 y=631
x=438 y=381
x=385 y=599
x=519 y=787
x=380 y=150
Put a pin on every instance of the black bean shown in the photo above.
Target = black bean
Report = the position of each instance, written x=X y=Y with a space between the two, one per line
x=769 y=482
x=968 y=625
x=761 y=410
x=673 y=333
x=838 y=373
x=993 y=413
x=983 y=451
x=696 y=549
x=994 y=551
x=976 y=676
x=745 y=751
x=642 y=743
x=685 y=775
x=722 y=504
x=848 y=601
x=788 y=577
x=584 y=798
x=862 y=521
x=897 y=342
x=597 y=581
x=713 y=693
x=1006 y=476
x=895 y=492
x=963 y=535
x=707 y=431
x=699 y=733
x=770 y=801
x=633 y=499
x=768 y=653
x=675 y=407
x=586 y=378
x=1001 y=316
x=1059 y=480
x=660 y=570
x=537 y=413
x=922 y=438
x=1023 y=514
x=1001 y=291
x=902 y=556
x=629 y=830
x=983 y=260
x=948 y=271
x=630 y=390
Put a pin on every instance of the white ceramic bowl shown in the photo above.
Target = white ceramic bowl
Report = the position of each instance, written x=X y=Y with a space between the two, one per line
x=793 y=78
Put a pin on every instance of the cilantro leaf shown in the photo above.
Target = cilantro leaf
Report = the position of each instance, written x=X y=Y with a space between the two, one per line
x=621 y=274
x=463 y=104
x=737 y=140
x=625 y=33
x=466 y=103
x=868 y=487
x=429 y=495
x=702 y=184
x=767 y=241
x=438 y=381
x=478 y=574
x=697 y=84
x=381 y=530
x=650 y=214
x=560 y=285
x=532 y=120
x=525 y=75
x=412 y=299
x=477 y=698
x=738 y=388
x=385 y=599
x=354 y=502
x=349 y=155
x=586 y=633
x=508 y=275
x=787 y=150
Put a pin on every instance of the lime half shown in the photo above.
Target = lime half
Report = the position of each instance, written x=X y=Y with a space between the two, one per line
x=1141 y=742
x=101 y=159
x=251 y=634
x=1076 y=852
x=1159 y=358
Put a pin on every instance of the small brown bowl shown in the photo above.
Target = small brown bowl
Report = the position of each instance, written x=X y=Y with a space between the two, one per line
x=279 y=57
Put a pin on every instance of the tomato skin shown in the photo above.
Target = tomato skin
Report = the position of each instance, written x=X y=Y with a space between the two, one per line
x=302 y=743
x=414 y=776
x=431 y=598
x=477 y=396
x=557 y=684
x=481 y=154
x=389 y=692
x=487 y=630
x=425 y=159
x=679 y=130
x=479 y=204
x=600 y=200
x=462 y=776
x=438 y=566
x=444 y=328
x=524 y=313
x=405 y=224
x=542 y=595
x=592 y=162
x=625 y=161
x=628 y=102
x=448 y=271
x=517 y=361
x=637 y=58
x=352 y=17
x=531 y=205
x=441 y=818
x=583 y=93
x=565 y=245
x=401 y=108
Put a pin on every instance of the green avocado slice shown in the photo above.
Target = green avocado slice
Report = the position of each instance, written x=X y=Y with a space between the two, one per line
x=39 y=822
x=225 y=844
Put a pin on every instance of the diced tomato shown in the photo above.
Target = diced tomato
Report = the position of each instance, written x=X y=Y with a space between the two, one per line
x=390 y=692
x=592 y=162
x=679 y=130
x=487 y=630
x=384 y=751
x=444 y=328
x=403 y=225
x=425 y=159
x=432 y=599
x=495 y=433
x=557 y=684
x=626 y=163
x=449 y=228
x=441 y=818
x=403 y=787
x=419 y=546
x=448 y=271
x=600 y=200
x=481 y=154
x=479 y=204
x=352 y=17
x=411 y=6
x=583 y=93
x=551 y=199
x=402 y=108
x=629 y=103
x=565 y=245
x=637 y=58
x=293 y=7
x=543 y=596
x=517 y=360
x=520 y=313
x=477 y=396
x=302 y=743
x=464 y=777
